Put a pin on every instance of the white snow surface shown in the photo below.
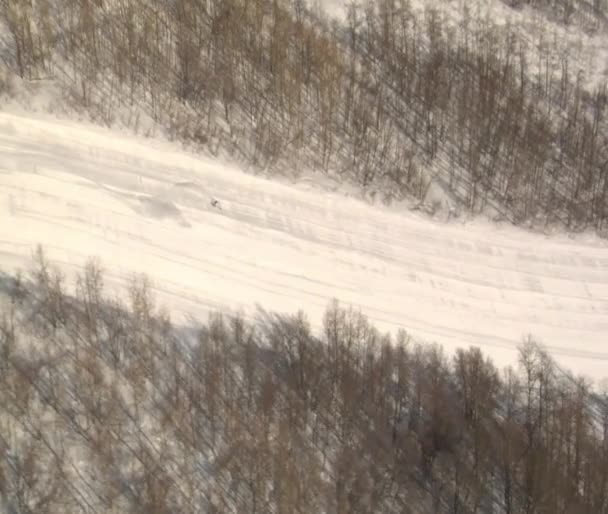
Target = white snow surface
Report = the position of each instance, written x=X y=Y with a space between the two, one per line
x=145 y=206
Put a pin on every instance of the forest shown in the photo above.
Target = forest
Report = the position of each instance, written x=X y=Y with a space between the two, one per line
x=107 y=406
x=392 y=99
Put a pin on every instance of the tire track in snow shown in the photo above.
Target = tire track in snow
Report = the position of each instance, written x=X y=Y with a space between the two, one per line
x=75 y=189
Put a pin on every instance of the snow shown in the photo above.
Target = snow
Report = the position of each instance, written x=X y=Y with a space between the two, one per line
x=144 y=205
x=334 y=9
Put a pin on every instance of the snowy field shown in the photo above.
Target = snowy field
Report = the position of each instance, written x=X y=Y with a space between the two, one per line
x=144 y=206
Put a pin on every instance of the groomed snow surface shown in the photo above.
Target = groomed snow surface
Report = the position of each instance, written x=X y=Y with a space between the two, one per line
x=145 y=206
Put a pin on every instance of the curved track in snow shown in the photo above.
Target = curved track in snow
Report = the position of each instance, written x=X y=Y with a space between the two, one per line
x=143 y=206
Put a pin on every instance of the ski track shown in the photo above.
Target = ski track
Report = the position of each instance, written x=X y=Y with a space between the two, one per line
x=144 y=206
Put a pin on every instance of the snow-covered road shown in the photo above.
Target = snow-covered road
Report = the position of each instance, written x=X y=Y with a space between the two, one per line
x=143 y=206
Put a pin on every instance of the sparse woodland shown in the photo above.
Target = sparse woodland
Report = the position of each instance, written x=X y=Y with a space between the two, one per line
x=107 y=407
x=390 y=99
